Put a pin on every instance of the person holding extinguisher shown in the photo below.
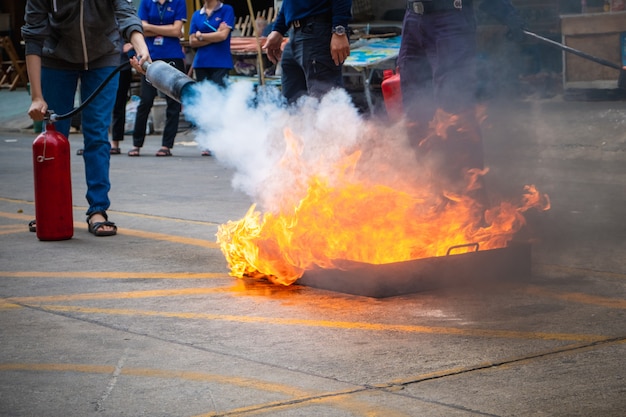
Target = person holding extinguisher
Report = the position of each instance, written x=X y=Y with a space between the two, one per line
x=80 y=40
x=163 y=27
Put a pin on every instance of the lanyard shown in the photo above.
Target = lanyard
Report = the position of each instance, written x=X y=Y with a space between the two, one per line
x=161 y=10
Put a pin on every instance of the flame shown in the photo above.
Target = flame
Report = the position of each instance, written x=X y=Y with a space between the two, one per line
x=342 y=216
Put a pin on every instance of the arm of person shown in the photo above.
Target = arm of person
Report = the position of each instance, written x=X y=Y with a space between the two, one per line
x=141 y=50
x=200 y=39
x=174 y=30
x=38 y=106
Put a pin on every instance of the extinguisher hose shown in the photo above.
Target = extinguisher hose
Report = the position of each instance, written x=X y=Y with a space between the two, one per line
x=54 y=117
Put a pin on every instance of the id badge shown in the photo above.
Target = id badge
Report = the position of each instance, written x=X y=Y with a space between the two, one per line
x=158 y=41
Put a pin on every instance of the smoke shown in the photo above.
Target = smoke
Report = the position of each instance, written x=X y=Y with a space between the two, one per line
x=275 y=149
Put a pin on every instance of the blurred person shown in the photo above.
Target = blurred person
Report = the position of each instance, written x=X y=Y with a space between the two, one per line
x=118 y=126
x=59 y=54
x=162 y=24
x=436 y=62
x=312 y=60
x=209 y=33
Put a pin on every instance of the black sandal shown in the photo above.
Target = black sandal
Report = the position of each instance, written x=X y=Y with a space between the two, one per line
x=134 y=152
x=94 y=228
x=115 y=151
x=164 y=152
x=32 y=226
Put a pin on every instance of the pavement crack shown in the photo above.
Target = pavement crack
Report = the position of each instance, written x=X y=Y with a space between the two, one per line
x=113 y=381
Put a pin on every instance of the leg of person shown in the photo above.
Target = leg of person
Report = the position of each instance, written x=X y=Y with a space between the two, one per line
x=172 y=116
x=321 y=73
x=455 y=92
x=119 y=111
x=416 y=79
x=293 y=80
x=96 y=120
x=59 y=91
x=148 y=93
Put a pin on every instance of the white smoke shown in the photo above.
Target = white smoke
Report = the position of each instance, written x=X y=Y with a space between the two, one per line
x=246 y=130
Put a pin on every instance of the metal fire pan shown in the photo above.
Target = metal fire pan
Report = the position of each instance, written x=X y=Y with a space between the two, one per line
x=512 y=263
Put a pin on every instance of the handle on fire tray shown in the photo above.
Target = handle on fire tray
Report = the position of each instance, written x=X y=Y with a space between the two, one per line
x=465 y=245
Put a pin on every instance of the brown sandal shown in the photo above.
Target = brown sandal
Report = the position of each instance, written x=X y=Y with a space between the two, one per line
x=164 y=152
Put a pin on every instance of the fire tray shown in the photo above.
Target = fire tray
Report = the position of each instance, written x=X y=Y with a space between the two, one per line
x=507 y=264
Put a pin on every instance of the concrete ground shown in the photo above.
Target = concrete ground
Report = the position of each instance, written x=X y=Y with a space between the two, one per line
x=149 y=323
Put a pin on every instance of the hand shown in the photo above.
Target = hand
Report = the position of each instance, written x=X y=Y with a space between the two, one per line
x=339 y=48
x=272 y=46
x=38 y=109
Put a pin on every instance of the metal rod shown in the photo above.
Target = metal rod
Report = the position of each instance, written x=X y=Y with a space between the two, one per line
x=258 y=44
x=575 y=51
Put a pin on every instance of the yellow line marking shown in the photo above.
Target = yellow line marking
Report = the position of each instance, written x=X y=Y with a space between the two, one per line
x=157 y=373
x=130 y=232
x=17 y=216
x=113 y=275
x=330 y=324
x=117 y=295
x=298 y=397
x=580 y=298
x=576 y=270
x=12 y=229
x=169 y=238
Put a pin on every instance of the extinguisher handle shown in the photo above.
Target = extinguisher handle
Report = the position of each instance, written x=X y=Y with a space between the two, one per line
x=50 y=116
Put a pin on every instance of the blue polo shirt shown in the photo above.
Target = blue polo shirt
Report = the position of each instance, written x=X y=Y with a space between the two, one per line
x=213 y=55
x=340 y=10
x=163 y=47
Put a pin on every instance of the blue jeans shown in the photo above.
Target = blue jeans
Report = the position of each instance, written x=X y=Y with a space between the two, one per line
x=59 y=89
x=307 y=65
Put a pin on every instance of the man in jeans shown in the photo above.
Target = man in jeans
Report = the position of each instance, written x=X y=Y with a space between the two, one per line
x=59 y=53
x=318 y=45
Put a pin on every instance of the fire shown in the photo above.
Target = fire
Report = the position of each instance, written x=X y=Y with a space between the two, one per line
x=346 y=217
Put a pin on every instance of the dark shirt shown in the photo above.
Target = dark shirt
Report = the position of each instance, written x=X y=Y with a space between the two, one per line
x=301 y=9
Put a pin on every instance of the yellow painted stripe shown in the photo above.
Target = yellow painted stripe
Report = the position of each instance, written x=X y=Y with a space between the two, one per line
x=12 y=229
x=130 y=232
x=331 y=324
x=112 y=275
x=576 y=270
x=156 y=373
x=168 y=238
x=117 y=295
x=581 y=298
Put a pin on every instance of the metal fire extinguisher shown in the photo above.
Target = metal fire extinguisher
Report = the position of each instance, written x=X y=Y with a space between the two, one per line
x=53 y=185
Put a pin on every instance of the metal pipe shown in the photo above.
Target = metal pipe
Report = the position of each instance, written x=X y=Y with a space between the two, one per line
x=169 y=80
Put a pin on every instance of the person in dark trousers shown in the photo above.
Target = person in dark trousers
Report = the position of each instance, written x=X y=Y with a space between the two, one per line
x=209 y=33
x=312 y=60
x=118 y=126
x=436 y=62
x=60 y=52
x=162 y=23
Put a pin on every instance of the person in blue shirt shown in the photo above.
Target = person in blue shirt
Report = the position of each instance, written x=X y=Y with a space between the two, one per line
x=162 y=25
x=209 y=32
x=312 y=60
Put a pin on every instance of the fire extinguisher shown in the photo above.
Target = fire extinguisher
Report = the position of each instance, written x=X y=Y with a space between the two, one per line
x=53 y=185
x=392 y=94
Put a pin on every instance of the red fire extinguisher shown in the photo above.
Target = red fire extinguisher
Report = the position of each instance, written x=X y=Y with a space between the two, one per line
x=392 y=94
x=53 y=185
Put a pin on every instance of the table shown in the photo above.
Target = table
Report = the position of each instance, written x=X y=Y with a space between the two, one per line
x=366 y=56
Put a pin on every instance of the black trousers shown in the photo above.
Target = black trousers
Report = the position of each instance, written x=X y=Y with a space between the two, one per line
x=172 y=111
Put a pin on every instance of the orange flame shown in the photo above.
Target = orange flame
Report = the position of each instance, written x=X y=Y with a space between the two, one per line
x=344 y=217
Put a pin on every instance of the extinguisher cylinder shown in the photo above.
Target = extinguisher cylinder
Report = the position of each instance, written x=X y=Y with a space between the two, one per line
x=53 y=185
x=392 y=95
x=169 y=80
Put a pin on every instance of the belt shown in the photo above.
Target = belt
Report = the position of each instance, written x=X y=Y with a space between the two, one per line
x=324 y=18
x=432 y=6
